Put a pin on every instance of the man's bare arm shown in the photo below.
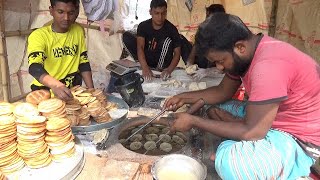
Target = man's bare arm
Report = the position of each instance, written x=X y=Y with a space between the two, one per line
x=87 y=78
x=254 y=126
x=146 y=72
x=58 y=88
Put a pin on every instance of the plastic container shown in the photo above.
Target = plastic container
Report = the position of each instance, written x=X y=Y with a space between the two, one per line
x=130 y=89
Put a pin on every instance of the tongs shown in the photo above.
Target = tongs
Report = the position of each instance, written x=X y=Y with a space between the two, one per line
x=152 y=119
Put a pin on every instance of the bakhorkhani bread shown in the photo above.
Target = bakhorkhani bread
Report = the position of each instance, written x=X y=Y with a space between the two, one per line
x=35 y=97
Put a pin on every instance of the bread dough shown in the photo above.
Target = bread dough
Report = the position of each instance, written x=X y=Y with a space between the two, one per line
x=193 y=86
x=150 y=145
x=177 y=139
x=166 y=147
x=136 y=137
x=191 y=69
x=182 y=136
x=172 y=83
x=135 y=146
x=151 y=137
x=152 y=130
x=149 y=112
x=165 y=130
x=165 y=138
x=136 y=129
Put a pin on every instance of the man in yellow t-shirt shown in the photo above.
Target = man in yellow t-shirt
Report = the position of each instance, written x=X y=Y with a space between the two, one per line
x=57 y=52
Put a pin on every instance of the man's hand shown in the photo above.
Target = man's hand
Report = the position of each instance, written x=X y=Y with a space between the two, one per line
x=62 y=92
x=173 y=103
x=147 y=73
x=182 y=122
x=165 y=74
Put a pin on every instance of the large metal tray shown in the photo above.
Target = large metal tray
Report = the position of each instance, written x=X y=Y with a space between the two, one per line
x=94 y=126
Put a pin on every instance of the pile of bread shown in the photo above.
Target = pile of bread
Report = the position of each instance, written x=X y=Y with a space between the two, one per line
x=32 y=136
x=85 y=104
x=10 y=160
x=88 y=103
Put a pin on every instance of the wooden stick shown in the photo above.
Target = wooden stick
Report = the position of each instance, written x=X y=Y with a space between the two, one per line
x=273 y=18
x=18 y=98
x=5 y=82
x=27 y=32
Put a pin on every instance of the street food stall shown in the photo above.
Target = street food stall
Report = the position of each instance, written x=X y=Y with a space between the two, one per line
x=99 y=135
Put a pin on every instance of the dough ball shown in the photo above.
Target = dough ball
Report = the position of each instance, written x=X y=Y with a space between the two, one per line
x=165 y=130
x=136 y=129
x=152 y=130
x=159 y=126
x=177 y=139
x=166 y=147
x=193 y=86
x=136 y=137
x=182 y=136
x=151 y=137
x=165 y=138
x=135 y=146
x=150 y=145
x=191 y=69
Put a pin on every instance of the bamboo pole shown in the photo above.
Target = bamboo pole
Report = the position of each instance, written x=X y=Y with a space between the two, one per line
x=27 y=32
x=4 y=58
x=18 y=98
x=273 y=18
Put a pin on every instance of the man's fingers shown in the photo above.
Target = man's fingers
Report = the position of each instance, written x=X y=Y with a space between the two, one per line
x=68 y=93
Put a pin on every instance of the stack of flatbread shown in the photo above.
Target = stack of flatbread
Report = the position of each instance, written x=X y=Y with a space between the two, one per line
x=6 y=109
x=2 y=176
x=111 y=106
x=94 y=101
x=100 y=96
x=82 y=94
x=73 y=108
x=98 y=112
x=31 y=144
x=84 y=117
x=10 y=161
x=25 y=109
x=60 y=138
x=52 y=108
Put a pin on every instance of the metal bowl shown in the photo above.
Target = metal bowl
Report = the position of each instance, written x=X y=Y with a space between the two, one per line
x=178 y=166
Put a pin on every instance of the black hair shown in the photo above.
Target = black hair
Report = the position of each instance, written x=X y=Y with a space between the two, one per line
x=220 y=31
x=158 y=3
x=74 y=2
x=213 y=8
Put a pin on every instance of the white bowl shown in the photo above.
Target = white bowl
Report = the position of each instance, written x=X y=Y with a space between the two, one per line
x=178 y=166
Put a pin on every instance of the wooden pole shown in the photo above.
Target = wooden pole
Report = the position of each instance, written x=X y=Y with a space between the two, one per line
x=4 y=58
x=27 y=32
x=273 y=18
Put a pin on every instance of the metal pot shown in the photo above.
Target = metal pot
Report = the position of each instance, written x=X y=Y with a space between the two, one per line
x=178 y=166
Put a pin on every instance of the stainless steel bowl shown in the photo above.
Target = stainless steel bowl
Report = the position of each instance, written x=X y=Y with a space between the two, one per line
x=178 y=166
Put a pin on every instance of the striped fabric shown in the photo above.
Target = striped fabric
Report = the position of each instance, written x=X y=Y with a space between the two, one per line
x=277 y=156
x=164 y=52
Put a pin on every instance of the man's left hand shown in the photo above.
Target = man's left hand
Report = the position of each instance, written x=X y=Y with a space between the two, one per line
x=182 y=122
x=165 y=74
